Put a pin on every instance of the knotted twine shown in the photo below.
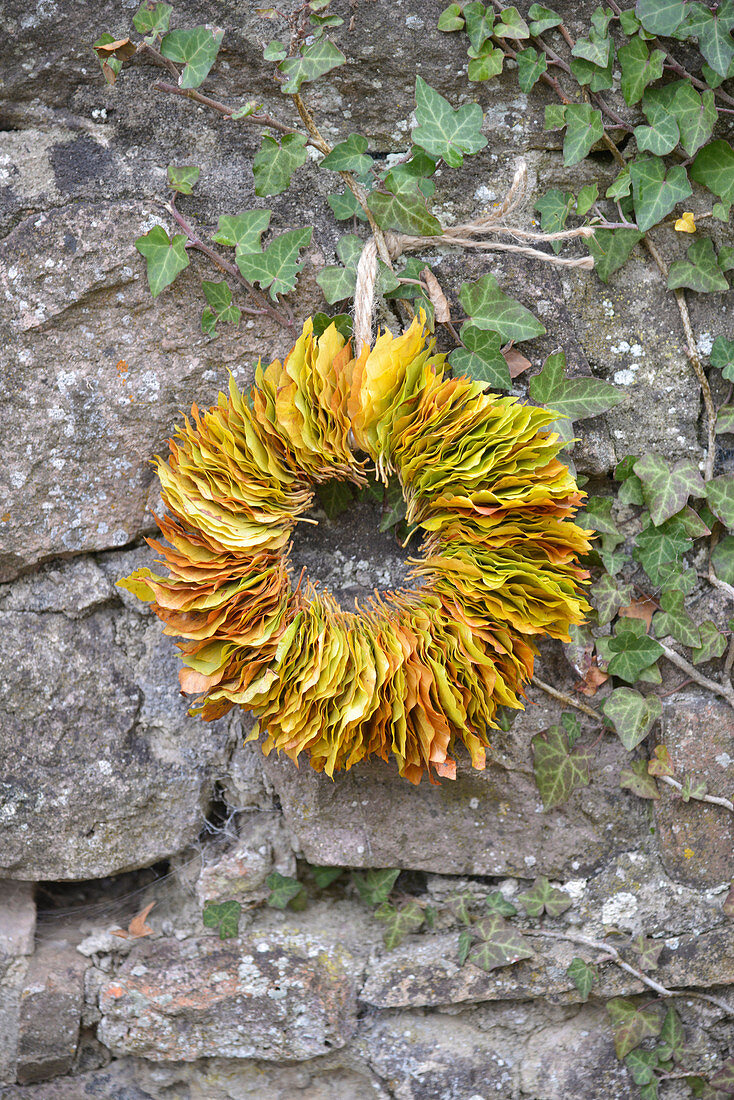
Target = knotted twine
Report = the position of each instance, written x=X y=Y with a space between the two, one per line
x=470 y=235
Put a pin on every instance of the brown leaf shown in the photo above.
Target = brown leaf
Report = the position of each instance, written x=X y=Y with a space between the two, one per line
x=437 y=296
x=661 y=764
x=122 y=48
x=137 y=928
x=516 y=362
x=644 y=609
x=447 y=769
x=593 y=680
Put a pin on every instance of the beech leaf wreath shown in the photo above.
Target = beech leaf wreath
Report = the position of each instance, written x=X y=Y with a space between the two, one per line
x=415 y=671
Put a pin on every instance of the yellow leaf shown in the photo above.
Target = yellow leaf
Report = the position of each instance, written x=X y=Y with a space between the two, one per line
x=686 y=223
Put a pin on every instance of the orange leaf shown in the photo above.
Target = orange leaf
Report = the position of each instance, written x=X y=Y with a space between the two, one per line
x=593 y=680
x=122 y=48
x=644 y=609
x=447 y=769
x=137 y=928
x=516 y=362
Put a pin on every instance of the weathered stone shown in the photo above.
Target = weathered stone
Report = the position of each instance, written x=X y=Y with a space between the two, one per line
x=17 y=918
x=95 y=738
x=50 y=1013
x=12 y=979
x=484 y=823
x=72 y=587
x=697 y=838
x=240 y=872
x=271 y=996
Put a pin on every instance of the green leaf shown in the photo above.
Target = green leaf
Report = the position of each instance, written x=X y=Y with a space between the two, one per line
x=675 y=620
x=660 y=550
x=277 y=267
x=337 y=283
x=109 y=63
x=637 y=779
x=621 y=185
x=152 y=20
x=722 y=557
x=672 y=1037
x=479 y=24
x=725 y=420
x=400 y=922
x=220 y=307
x=543 y=19
x=632 y=715
x=663 y=134
x=530 y=67
x=344 y=205
x=639 y=68
x=314 y=60
x=693 y=787
x=489 y=63
x=335 y=497
x=544 y=898
x=349 y=156
x=405 y=211
x=584 y=127
x=558 y=771
x=464 y=946
x=611 y=248
x=196 y=49
x=460 y=906
x=714 y=41
x=576 y=398
x=722 y=357
x=275 y=162
x=324 y=876
x=247 y=109
x=720 y=494
x=726 y=258
x=587 y=197
x=394 y=507
x=275 y=51
x=405 y=176
x=714 y=168
x=243 y=230
x=496 y=902
x=596 y=48
x=655 y=192
x=711 y=643
x=597 y=79
x=572 y=727
x=183 y=178
x=166 y=257
x=631 y=1024
x=723 y=1079
x=283 y=890
x=695 y=114
x=554 y=208
x=489 y=308
x=642 y=1065
x=501 y=944
x=342 y=321
x=445 y=132
x=511 y=25
x=633 y=651
x=607 y=598
x=660 y=16
x=481 y=359
x=451 y=18
x=374 y=887
x=699 y=271
x=582 y=975
x=666 y=490
x=224 y=915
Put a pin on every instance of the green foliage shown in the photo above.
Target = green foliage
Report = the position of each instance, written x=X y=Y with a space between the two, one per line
x=554 y=208
x=496 y=902
x=349 y=156
x=666 y=490
x=277 y=267
x=313 y=61
x=575 y=398
x=480 y=357
x=242 y=231
x=631 y=1024
x=166 y=257
x=405 y=211
x=632 y=715
x=490 y=308
x=582 y=975
x=558 y=769
x=220 y=308
x=276 y=161
x=584 y=128
x=499 y=944
x=656 y=192
x=675 y=620
x=633 y=650
x=324 y=876
x=444 y=131
x=400 y=922
x=720 y=496
x=283 y=890
x=639 y=68
x=544 y=898
x=223 y=915
x=530 y=67
x=636 y=778
x=151 y=20
x=611 y=249
x=722 y=356
x=700 y=270
x=196 y=49
x=375 y=885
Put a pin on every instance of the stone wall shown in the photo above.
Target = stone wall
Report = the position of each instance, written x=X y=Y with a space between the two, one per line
x=103 y=773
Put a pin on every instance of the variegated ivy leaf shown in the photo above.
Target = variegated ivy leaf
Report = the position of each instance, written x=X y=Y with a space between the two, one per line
x=283 y=890
x=166 y=257
x=693 y=787
x=656 y=192
x=662 y=134
x=496 y=902
x=714 y=168
x=151 y=20
x=400 y=922
x=660 y=763
x=543 y=19
x=607 y=597
x=501 y=944
x=699 y=271
x=244 y=230
x=586 y=198
x=460 y=906
x=665 y=489
x=720 y=495
x=451 y=19
x=584 y=127
x=576 y=398
x=639 y=68
x=479 y=25
x=660 y=550
x=490 y=308
x=511 y=25
x=183 y=178
x=675 y=620
x=582 y=975
x=596 y=48
x=558 y=770
x=375 y=885
x=313 y=61
x=554 y=208
x=220 y=307
x=642 y=1065
x=722 y=557
x=223 y=915
x=405 y=211
x=480 y=358
x=712 y=643
x=196 y=49
x=530 y=67
x=444 y=131
x=660 y=16
x=544 y=898
x=349 y=156
x=722 y=357
x=637 y=779
x=672 y=1037
x=276 y=268
x=632 y=715
x=276 y=161
x=611 y=248
x=631 y=1024
x=647 y=951
x=633 y=650
x=488 y=63
x=712 y=28
x=324 y=876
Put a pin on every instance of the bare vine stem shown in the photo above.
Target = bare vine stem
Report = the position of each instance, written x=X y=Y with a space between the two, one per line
x=712 y=798
x=726 y=691
x=568 y=700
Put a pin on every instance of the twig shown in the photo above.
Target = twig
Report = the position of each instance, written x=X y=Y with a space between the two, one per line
x=712 y=798
x=223 y=109
x=724 y=690
x=614 y=955
x=726 y=673
x=566 y=699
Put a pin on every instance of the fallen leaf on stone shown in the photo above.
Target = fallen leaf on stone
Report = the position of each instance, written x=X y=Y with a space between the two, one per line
x=516 y=362
x=122 y=48
x=593 y=680
x=437 y=296
x=137 y=928
x=644 y=609
x=686 y=223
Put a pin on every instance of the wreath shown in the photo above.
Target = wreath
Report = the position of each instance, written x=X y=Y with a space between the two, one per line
x=413 y=672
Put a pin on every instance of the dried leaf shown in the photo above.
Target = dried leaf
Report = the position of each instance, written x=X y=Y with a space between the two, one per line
x=437 y=296
x=137 y=928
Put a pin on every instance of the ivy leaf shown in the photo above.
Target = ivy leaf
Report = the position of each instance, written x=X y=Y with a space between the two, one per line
x=608 y=597
x=242 y=230
x=675 y=620
x=659 y=763
x=412 y=173
x=611 y=248
x=660 y=16
x=275 y=162
x=558 y=770
x=338 y=283
x=324 y=876
x=502 y=944
x=349 y=156
x=671 y=1037
x=544 y=898
x=695 y=114
x=572 y=727
x=647 y=951
x=711 y=643
x=633 y=651
x=714 y=168
x=720 y=494
x=576 y=398
x=722 y=357
x=344 y=205
x=220 y=307
x=489 y=308
x=479 y=25
x=451 y=18
x=152 y=20
x=631 y=1024
x=277 y=267
x=595 y=49
x=700 y=270
x=632 y=715
x=196 y=49
x=543 y=19
x=597 y=79
x=587 y=197
x=714 y=40
x=111 y=52
x=554 y=208
x=459 y=905
x=487 y=64
x=394 y=507
x=481 y=358
x=662 y=135
x=692 y=787
x=582 y=975
x=224 y=915
x=342 y=322
x=642 y=1065
x=335 y=497
x=655 y=192
x=374 y=887
x=621 y=185
x=183 y=178
x=511 y=25
x=496 y=902
x=723 y=1079
x=314 y=60
x=405 y=211
x=584 y=127
x=659 y=550
x=666 y=490
x=283 y=890
x=637 y=779
x=166 y=257
x=464 y=946
x=722 y=557
x=400 y=922
x=275 y=51
x=639 y=68
x=445 y=132
x=530 y=67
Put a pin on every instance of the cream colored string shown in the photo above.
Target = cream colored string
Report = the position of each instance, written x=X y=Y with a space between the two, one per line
x=470 y=235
